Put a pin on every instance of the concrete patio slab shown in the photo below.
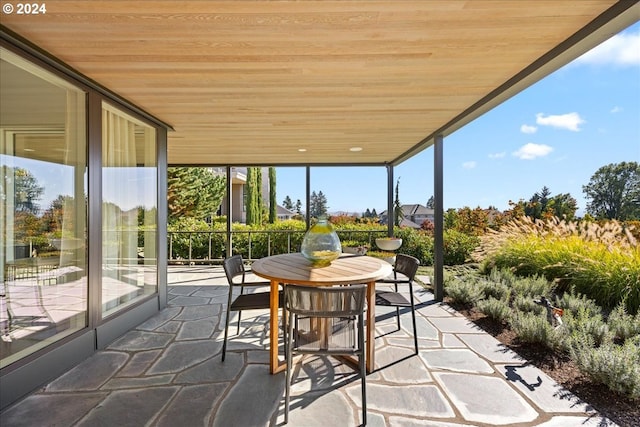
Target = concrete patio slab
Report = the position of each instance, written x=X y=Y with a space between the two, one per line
x=542 y=390
x=490 y=348
x=485 y=399
x=455 y=359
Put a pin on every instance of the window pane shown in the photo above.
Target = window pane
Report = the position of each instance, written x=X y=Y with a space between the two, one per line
x=129 y=210
x=43 y=221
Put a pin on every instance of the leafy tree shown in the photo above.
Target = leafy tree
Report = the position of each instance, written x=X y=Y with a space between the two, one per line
x=193 y=192
x=613 y=192
x=398 y=215
x=543 y=205
x=473 y=222
x=273 y=205
x=52 y=218
x=27 y=191
x=287 y=203
x=450 y=218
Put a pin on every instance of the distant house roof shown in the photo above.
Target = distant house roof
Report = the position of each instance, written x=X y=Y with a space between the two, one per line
x=282 y=211
x=413 y=210
x=411 y=213
x=417 y=209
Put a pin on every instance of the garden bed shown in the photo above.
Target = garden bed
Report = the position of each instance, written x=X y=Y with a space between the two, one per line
x=618 y=408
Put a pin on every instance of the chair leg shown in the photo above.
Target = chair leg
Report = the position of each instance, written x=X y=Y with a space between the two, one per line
x=226 y=333
x=239 y=313
x=226 y=324
x=413 y=319
x=289 y=361
x=363 y=374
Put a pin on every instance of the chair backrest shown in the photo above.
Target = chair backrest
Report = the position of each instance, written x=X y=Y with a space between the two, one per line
x=406 y=265
x=233 y=267
x=334 y=301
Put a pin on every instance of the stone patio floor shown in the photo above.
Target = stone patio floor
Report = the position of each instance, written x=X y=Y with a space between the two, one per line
x=168 y=372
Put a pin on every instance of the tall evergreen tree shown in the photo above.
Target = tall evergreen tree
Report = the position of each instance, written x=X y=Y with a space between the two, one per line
x=287 y=203
x=313 y=205
x=27 y=189
x=298 y=207
x=398 y=215
x=250 y=198
x=273 y=205
x=431 y=203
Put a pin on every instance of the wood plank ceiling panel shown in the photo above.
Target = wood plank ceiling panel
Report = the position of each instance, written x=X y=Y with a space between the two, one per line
x=251 y=82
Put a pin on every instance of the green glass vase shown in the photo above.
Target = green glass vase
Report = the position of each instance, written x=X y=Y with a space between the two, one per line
x=321 y=244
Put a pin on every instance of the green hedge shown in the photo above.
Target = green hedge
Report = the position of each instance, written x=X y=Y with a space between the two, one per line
x=418 y=243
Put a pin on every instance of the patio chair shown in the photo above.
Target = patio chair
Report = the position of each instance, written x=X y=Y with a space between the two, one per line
x=325 y=321
x=234 y=268
x=404 y=272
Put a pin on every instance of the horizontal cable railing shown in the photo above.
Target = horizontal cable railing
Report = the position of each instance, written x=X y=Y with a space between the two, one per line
x=209 y=247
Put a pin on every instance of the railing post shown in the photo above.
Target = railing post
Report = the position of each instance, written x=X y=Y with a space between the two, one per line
x=210 y=256
x=189 y=248
x=250 y=245
x=268 y=244
x=170 y=246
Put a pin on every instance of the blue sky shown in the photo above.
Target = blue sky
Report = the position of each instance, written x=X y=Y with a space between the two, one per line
x=556 y=133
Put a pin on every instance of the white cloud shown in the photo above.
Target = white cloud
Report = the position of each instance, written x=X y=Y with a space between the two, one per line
x=530 y=151
x=528 y=129
x=569 y=121
x=616 y=109
x=497 y=155
x=469 y=165
x=621 y=49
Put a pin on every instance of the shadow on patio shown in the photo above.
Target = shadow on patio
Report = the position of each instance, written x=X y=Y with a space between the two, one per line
x=167 y=372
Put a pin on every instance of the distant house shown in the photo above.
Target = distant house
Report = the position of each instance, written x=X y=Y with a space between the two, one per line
x=413 y=215
x=284 y=213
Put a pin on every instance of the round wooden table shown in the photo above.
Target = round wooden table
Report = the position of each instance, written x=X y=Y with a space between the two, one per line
x=348 y=269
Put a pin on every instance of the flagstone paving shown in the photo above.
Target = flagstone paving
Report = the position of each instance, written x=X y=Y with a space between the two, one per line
x=168 y=372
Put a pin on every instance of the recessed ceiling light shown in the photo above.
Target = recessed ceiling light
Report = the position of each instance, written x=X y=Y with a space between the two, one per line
x=355 y=149
x=302 y=150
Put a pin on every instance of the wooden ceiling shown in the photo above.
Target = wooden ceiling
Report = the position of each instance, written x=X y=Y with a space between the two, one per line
x=254 y=82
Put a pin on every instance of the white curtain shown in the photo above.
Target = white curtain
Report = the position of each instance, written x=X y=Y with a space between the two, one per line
x=73 y=238
x=119 y=224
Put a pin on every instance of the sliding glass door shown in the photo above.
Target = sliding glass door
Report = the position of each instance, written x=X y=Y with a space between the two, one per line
x=129 y=210
x=43 y=208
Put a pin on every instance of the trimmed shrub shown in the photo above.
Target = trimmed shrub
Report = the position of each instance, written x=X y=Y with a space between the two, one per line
x=463 y=291
x=622 y=325
x=618 y=367
x=532 y=328
x=527 y=304
x=495 y=308
x=458 y=247
x=496 y=290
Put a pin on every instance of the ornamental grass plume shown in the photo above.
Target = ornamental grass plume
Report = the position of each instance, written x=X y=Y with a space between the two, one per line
x=601 y=261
